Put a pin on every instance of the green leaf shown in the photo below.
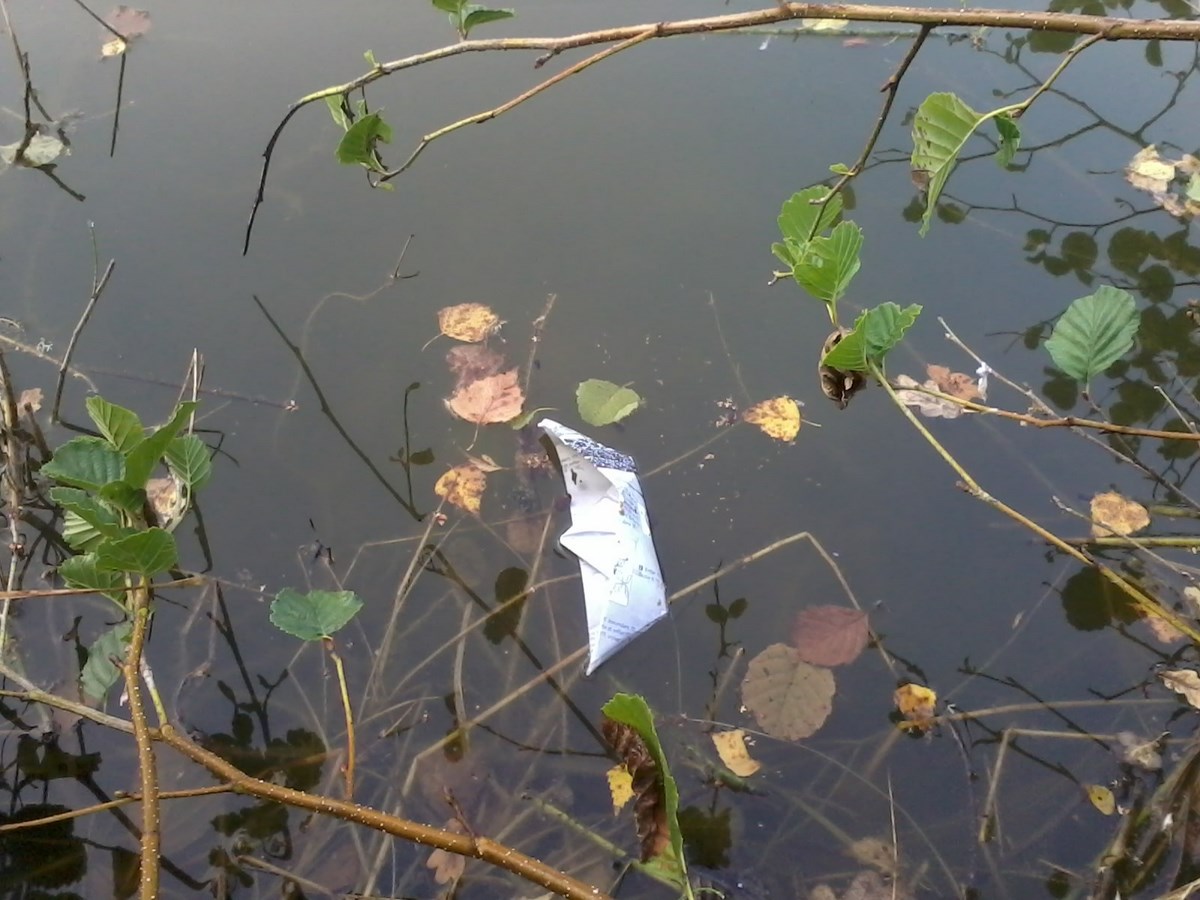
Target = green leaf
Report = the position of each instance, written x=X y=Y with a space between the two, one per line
x=830 y=263
x=315 y=615
x=102 y=669
x=1193 y=188
x=799 y=214
x=1094 y=333
x=481 y=16
x=369 y=56
x=875 y=333
x=1154 y=54
x=840 y=169
x=143 y=553
x=1010 y=139
x=122 y=428
x=87 y=518
x=602 y=402
x=632 y=710
x=941 y=128
x=337 y=109
x=86 y=462
x=358 y=144
x=82 y=572
x=125 y=497
x=141 y=460
x=450 y=6
x=188 y=457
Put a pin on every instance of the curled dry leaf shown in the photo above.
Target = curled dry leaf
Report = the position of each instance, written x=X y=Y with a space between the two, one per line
x=31 y=397
x=731 y=747
x=650 y=804
x=469 y=322
x=932 y=407
x=497 y=398
x=1114 y=514
x=830 y=635
x=778 y=418
x=956 y=384
x=917 y=704
x=1185 y=682
x=789 y=698
x=463 y=486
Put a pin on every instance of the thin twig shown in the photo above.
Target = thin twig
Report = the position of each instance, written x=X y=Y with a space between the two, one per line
x=97 y=290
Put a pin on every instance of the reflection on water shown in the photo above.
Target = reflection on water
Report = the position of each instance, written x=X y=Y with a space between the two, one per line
x=643 y=195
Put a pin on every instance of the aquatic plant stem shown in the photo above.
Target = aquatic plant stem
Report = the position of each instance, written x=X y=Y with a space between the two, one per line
x=1141 y=600
x=147 y=768
x=340 y=668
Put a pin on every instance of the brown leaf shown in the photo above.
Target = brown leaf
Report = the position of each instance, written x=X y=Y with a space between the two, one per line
x=650 y=805
x=497 y=398
x=470 y=362
x=447 y=867
x=830 y=635
x=31 y=397
x=470 y=322
x=789 y=698
x=876 y=853
x=1164 y=632
x=956 y=384
x=731 y=747
x=1185 y=682
x=931 y=407
x=1114 y=514
x=126 y=21
x=778 y=418
x=463 y=486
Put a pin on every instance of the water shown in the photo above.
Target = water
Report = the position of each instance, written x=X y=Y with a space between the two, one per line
x=642 y=195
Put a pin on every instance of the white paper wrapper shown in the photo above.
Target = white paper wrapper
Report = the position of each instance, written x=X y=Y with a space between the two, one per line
x=623 y=589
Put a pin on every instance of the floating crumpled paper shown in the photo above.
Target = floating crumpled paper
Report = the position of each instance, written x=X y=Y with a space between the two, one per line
x=623 y=589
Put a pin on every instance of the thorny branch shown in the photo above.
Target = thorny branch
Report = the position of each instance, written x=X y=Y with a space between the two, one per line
x=1100 y=27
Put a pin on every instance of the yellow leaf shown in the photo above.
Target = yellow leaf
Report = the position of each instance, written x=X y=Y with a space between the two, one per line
x=1114 y=514
x=1102 y=798
x=620 y=786
x=463 y=486
x=731 y=747
x=916 y=703
x=778 y=418
x=824 y=24
x=115 y=47
x=1183 y=681
x=470 y=322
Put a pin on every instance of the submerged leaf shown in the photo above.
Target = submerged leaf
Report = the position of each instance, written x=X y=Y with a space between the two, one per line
x=1114 y=514
x=315 y=615
x=917 y=704
x=731 y=747
x=463 y=486
x=496 y=398
x=778 y=418
x=927 y=405
x=1094 y=332
x=603 y=403
x=830 y=635
x=789 y=698
x=469 y=322
x=1102 y=798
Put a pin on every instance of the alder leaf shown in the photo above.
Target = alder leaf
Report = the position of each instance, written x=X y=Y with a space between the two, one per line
x=778 y=418
x=315 y=615
x=830 y=635
x=1114 y=514
x=496 y=398
x=603 y=403
x=463 y=486
x=875 y=333
x=1094 y=332
x=789 y=698
x=468 y=322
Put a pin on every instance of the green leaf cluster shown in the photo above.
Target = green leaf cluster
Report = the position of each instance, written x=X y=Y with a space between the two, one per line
x=464 y=16
x=875 y=332
x=941 y=128
x=364 y=133
x=821 y=263
x=1093 y=333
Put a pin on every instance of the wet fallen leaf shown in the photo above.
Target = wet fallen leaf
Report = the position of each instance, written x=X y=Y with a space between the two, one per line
x=620 y=787
x=1163 y=631
x=876 y=853
x=1183 y=681
x=1102 y=798
x=932 y=407
x=1148 y=171
x=830 y=635
x=956 y=384
x=41 y=150
x=130 y=23
x=469 y=322
x=31 y=397
x=471 y=362
x=463 y=486
x=789 y=698
x=778 y=418
x=1139 y=752
x=731 y=747
x=603 y=403
x=447 y=867
x=1114 y=514
x=917 y=704
x=496 y=398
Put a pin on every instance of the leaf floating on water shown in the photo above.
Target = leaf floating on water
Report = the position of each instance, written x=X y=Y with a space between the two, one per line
x=603 y=403
x=830 y=635
x=917 y=704
x=130 y=23
x=956 y=384
x=1136 y=751
x=469 y=322
x=485 y=401
x=928 y=406
x=315 y=615
x=1185 y=682
x=42 y=150
x=620 y=787
x=463 y=486
x=650 y=805
x=470 y=362
x=1149 y=172
x=1102 y=798
x=731 y=747
x=789 y=698
x=1114 y=514
x=778 y=418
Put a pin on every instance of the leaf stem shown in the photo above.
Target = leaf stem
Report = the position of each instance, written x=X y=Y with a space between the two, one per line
x=350 y=742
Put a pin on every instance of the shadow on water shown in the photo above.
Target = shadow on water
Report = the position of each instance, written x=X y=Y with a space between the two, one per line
x=621 y=225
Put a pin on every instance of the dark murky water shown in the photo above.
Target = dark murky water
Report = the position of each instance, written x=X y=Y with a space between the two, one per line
x=643 y=194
